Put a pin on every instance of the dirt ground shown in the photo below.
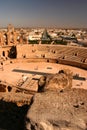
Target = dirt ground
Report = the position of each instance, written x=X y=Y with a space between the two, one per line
x=10 y=76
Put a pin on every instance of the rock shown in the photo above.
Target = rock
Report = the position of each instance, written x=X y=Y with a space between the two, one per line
x=51 y=110
x=41 y=83
x=59 y=81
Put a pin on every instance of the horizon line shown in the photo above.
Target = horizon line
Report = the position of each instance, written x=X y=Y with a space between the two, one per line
x=56 y=27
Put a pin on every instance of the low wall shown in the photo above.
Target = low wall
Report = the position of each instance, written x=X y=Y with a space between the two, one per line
x=73 y=63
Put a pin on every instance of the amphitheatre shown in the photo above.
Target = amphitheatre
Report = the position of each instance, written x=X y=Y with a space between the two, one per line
x=22 y=65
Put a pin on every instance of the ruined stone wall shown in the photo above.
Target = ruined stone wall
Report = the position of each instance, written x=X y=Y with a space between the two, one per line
x=4 y=52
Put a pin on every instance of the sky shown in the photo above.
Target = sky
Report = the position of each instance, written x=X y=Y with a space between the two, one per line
x=44 y=13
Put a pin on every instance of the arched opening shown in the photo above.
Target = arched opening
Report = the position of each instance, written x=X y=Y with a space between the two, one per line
x=83 y=60
x=33 y=51
x=47 y=60
x=12 y=52
x=9 y=88
x=54 y=51
x=24 y=56
x=63 y=57
x=2 y=63
x=11 y=62
x=3 y=53
x=2 y=88
x=43 y=55
x=57 y=61
x=76 y=54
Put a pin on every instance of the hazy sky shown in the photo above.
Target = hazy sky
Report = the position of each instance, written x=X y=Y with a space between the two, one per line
x=46 y=13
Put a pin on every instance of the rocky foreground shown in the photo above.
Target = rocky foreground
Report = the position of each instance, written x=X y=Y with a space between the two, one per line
x=56 y=106
x=64 y=110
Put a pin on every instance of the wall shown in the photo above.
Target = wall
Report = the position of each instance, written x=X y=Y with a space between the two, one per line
x=74 y=56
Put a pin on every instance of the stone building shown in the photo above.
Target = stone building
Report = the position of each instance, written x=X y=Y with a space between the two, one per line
x=10 y=34
x=2 y=38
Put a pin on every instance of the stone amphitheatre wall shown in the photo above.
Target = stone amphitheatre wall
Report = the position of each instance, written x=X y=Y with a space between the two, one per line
x=69 y=55
x=74 y=56
x=51 y=51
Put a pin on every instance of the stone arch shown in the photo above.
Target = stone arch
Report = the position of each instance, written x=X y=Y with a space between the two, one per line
x=47 y=60
x=12 y=52
x=3 y=53
x=57 y=61
x=9 y=88
x=43 y=55
x=76 y=54
x=83 y=60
